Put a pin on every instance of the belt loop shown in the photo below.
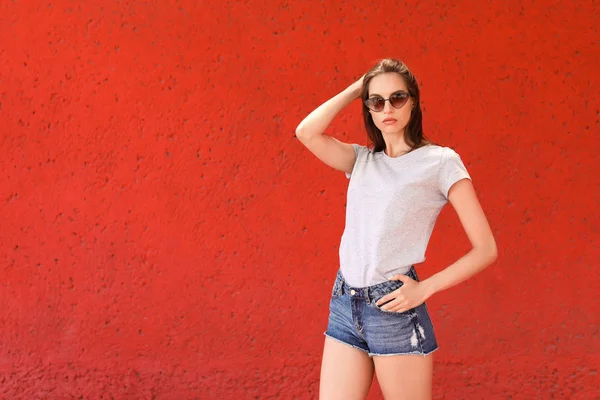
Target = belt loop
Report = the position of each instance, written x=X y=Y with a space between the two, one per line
x=368 y=295
x=414 y=271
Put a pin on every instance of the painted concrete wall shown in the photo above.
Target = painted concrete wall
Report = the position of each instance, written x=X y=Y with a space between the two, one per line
x=164 y=235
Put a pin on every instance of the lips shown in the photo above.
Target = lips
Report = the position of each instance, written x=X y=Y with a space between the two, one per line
x=389 y=121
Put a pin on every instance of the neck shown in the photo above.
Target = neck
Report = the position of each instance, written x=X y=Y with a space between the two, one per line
x=395 y=148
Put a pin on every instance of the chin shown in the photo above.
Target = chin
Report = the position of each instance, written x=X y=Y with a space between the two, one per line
x=390 y=130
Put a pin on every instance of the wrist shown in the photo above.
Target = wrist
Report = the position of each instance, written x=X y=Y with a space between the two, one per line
x=354 y=91
x=430 y=286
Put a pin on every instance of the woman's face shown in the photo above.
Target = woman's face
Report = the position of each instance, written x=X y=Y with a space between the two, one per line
x=390 y=120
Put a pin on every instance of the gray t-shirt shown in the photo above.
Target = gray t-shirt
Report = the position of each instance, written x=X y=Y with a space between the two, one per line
x=392 y=206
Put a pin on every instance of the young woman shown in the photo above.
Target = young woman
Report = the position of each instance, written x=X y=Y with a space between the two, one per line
x=378 y=320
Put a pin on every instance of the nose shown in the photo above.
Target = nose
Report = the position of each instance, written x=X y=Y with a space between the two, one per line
x=387 y=107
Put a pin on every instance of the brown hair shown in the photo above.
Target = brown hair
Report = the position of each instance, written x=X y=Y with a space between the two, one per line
x=414 y=135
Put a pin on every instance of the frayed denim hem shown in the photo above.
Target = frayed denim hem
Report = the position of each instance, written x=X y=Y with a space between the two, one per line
x=347 y=344
x=404 y=354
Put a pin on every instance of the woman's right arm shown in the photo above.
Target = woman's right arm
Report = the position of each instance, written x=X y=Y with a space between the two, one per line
x=310 y=132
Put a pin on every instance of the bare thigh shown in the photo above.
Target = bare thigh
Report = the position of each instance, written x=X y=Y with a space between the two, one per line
x=346 y=373
x=405 y=376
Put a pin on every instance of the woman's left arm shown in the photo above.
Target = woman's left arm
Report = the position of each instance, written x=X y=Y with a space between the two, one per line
x=463 y=198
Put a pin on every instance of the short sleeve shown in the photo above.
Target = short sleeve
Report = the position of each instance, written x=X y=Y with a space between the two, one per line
x=451 y=170
x=357 y=149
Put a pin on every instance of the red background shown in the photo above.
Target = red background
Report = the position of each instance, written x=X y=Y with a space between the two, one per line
x=164 y=235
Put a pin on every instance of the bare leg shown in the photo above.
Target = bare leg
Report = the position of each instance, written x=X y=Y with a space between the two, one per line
x=405 y=376
x=346 y=372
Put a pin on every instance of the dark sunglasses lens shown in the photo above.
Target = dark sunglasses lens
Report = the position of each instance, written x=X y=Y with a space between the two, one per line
x=375 y=103
x=398 y=99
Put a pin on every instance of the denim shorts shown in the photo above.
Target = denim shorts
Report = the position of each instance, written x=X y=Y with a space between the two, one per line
x=356 y=320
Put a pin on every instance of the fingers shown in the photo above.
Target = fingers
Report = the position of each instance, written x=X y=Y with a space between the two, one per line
x=387 y=298
x=396 y=294
x=401 y=277
x=400 y=308
x=395 y=303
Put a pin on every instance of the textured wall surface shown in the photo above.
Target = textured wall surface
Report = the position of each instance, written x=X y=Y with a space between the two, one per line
x=165 y=236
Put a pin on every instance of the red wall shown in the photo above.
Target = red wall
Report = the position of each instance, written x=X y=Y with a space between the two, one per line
x=164 y=235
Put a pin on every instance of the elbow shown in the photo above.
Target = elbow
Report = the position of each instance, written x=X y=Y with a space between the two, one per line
x=301 y=132
x=494 y=256
x=487 y=253
x=492 y=252
x=300 y=129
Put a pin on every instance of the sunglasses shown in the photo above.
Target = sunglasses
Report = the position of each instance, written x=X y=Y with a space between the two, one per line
x=397 y=100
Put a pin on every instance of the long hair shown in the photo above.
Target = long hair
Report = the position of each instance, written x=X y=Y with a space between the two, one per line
x=413 y=135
